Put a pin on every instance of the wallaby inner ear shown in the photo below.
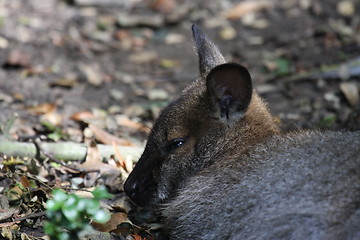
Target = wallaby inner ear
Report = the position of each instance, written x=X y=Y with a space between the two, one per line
x=229 y=89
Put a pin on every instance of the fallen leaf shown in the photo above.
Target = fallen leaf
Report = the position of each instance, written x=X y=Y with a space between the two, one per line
x=143 y=57
x=345 y=8
x=92 y=163
x=64 y=82
x=163 y=6
x=243 y=8
x=42 y=108
x=158 y=94
x=92 y=74
x=4 y=43
x=52 y=117
x=168 y=63
x=7 y=213
x=18 y=96
x=125 y=163
x=6 y=98
x=97 y=168
x=127 y=122
x=228 y=33
x=17 y=59
x=25 y=182
x=115 y=220
x=174 y=38
x=14 y=194
x=35 y=71
x=351 y=92
x=107 y=138
x=82 y=116
x=137 y=237
x=122 y=35
x=8 y=224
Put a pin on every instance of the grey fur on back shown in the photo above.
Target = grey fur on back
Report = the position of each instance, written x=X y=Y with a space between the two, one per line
x=297 y=186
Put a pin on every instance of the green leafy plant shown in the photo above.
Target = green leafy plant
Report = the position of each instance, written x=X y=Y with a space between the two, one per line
x=55 y=132
x=69 y=215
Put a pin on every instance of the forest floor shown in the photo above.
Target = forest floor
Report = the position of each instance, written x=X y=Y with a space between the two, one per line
x=70 y=66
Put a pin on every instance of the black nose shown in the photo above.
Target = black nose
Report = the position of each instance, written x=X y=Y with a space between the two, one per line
x=131 y=188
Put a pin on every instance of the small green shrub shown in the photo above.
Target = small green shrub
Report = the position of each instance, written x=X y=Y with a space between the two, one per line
x=69 y=215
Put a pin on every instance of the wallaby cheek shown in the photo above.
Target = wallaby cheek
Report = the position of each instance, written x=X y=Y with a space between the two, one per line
x=174 y=171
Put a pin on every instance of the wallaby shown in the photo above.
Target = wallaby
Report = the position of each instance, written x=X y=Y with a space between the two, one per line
x=218 y=167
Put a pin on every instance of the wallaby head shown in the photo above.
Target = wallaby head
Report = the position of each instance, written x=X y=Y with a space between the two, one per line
x=216 y=117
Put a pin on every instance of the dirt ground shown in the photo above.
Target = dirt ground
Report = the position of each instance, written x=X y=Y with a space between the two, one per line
x=131 y=57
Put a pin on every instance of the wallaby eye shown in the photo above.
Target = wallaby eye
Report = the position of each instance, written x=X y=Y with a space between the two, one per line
x=175 y=143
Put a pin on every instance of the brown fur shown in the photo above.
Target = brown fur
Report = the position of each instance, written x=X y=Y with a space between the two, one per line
x=218 y=166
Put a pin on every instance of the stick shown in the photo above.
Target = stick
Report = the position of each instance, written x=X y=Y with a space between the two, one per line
x=66 y=151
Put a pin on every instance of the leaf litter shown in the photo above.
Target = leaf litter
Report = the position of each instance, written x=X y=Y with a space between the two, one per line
x=132 y=58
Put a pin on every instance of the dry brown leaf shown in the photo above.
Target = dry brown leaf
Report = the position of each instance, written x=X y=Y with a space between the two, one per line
x=163 y=6
x=18 y=59
x=52 y=117
x=137 y=237
x=246 y=7
x=30 y=71
x=64 y=82
x=93 y=159
x=84 y=193
x=107 y=138
x=42 y=108
x=94 y=164
x=351 y=92
x=7 y=213
x=24 y=181
x=8 y=224
x=115 y=220
x=127 y=122
x=82 y=116
x=93 y=74
x=126 y=164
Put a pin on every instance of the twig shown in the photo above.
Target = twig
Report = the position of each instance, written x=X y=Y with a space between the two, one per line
x=41 y=182
x=38 y=145
x=65 y=151
x=33 y=215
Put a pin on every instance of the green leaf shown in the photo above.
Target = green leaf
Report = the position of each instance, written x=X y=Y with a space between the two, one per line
x=59 y=195
x=33 y=184
x=282 y=67
x=71 y=214
x=52 y=205
x=328 y=121
x=101 y=216
x=71 y=201
x=50 y=228
x=49 y=126
x=93 y=206
x=55 y=136
x=101 y=193
x=82 y=204
x=63 y=236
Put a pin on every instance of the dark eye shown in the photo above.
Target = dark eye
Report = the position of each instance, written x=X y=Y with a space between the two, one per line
x=175 y=143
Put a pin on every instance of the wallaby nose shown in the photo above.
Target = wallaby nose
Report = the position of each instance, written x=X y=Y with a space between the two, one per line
x=131 y=188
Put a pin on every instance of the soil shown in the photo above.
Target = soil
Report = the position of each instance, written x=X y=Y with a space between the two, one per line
x=84 y=56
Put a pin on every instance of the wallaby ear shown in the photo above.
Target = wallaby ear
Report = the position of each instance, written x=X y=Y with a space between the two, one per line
x=229 y=90
x=209 y=54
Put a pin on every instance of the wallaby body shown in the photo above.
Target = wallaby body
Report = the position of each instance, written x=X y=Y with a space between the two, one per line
x=283 y=188
x=219 y=168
